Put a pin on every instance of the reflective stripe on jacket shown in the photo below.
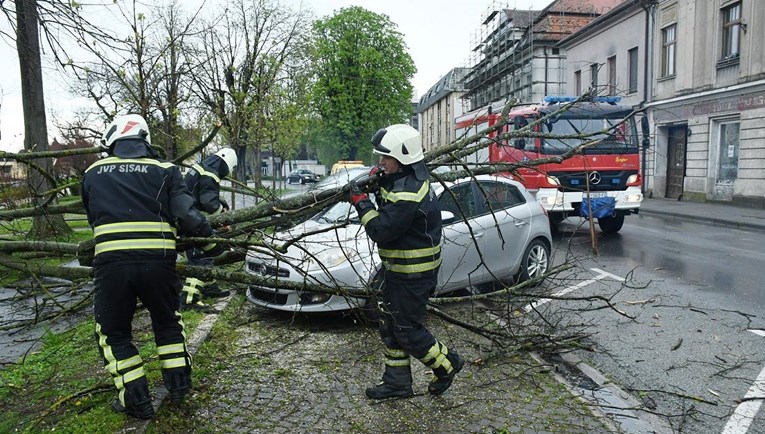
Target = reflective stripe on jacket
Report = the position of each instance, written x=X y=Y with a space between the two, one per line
x=203 y=182
x=135 y=206
x=406 y=226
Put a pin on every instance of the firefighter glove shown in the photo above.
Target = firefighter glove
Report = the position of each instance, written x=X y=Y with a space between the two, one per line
x=209 y=251
x=376 y=171
x=356 y=194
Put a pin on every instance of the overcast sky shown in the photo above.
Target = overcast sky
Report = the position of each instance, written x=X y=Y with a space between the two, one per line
x=439 y=35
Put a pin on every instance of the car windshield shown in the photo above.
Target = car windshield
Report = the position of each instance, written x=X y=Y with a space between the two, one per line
x=339 y=213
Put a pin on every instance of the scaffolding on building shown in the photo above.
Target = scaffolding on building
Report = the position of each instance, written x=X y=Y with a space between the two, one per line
x=502 y=53
x=515 y=53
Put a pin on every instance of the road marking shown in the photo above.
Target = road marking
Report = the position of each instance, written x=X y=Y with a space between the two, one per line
x=607 y=274
x=601 y=275
x=744 y=414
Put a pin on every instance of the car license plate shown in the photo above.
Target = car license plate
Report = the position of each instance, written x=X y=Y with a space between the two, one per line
x=594 y=194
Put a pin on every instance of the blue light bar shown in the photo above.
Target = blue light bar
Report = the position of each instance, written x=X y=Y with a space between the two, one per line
x=557 y=99
x=599 y=99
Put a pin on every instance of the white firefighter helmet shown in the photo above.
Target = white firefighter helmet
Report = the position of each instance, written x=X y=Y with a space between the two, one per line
x=126 y=127
x=229 y=156
x=399 y=141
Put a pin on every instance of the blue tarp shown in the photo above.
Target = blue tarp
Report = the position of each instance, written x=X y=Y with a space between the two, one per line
x=600 y=206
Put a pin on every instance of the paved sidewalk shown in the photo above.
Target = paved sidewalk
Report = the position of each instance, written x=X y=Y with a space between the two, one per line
x=307 y=374
x=715 y=213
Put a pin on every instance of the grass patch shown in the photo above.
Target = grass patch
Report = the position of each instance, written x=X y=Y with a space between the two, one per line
x=63 y=386
x=218 y=353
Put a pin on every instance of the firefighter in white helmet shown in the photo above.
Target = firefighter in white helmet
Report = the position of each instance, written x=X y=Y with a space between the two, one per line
x=136 y=205
x=406 y=225
x=203 y=181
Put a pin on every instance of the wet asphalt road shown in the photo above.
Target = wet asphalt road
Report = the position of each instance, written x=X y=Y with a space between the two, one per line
x=694 y=297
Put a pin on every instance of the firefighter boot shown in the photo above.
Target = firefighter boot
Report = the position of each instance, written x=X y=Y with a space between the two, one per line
x=177 y=383
x=212 y=290
x=445 y=366
x=397 y=378
x=135 y=401
x=191 y=296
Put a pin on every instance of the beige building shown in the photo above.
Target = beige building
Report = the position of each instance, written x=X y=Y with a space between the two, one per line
x=439 y=106
x=708 y=101
x=701 y=78
x=11 y=171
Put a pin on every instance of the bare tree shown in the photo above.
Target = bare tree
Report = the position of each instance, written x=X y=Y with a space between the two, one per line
x=141 y=68
x=35 y=121
x=248 y=60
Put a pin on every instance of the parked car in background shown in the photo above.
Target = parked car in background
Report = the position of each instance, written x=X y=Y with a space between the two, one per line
x=335 y=180
x=302 y=176
x=340 y=177
x=493 y=230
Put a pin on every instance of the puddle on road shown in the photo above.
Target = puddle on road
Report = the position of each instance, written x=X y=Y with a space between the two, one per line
x=16 y=310
x=604 y=398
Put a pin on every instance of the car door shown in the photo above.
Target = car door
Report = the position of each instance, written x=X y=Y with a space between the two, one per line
x=460 y=261
x=506 y=219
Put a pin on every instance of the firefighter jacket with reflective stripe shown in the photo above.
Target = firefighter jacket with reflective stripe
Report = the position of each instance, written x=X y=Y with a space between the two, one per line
x=135 y=206
x=203 y=181
x=406 y=225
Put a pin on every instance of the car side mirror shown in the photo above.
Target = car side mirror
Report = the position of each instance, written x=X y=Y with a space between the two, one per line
x=447 y=217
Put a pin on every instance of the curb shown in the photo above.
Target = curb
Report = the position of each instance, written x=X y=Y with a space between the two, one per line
x=620 y=411
x=708 y=220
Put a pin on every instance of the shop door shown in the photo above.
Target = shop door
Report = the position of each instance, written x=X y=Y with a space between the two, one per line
x=676 y=161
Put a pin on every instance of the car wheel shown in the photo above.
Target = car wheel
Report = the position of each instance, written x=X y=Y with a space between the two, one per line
x=611 y=225
x=302 y=181
x=289 y=180
x=534 y=263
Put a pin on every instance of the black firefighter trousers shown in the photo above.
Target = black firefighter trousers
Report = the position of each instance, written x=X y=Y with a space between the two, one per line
x=118 y=286
x=402 y=320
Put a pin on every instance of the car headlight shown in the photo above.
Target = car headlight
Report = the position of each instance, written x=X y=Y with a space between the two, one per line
x=332 y=258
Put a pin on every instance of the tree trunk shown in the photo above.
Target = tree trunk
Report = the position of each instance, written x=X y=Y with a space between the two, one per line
x=35 y=123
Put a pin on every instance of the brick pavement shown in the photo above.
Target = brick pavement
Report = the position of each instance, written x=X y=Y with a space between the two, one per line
x=307 y=374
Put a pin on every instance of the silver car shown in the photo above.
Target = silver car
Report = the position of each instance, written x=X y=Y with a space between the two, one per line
x=493 y=230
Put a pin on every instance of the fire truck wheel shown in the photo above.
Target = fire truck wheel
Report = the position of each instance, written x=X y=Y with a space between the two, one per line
x=611 y=225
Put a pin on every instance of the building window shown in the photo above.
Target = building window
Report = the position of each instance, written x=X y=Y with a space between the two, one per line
x=727 y=161
x=578 y=82
x=594 y=76
x=612 y=75
x=633 y=59
x=731 y=31
x=669 y=41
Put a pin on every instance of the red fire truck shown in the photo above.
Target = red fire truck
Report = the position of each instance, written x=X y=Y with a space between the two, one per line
x=602 y=180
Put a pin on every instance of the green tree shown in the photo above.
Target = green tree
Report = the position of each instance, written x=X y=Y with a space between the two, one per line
x=363 y=73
